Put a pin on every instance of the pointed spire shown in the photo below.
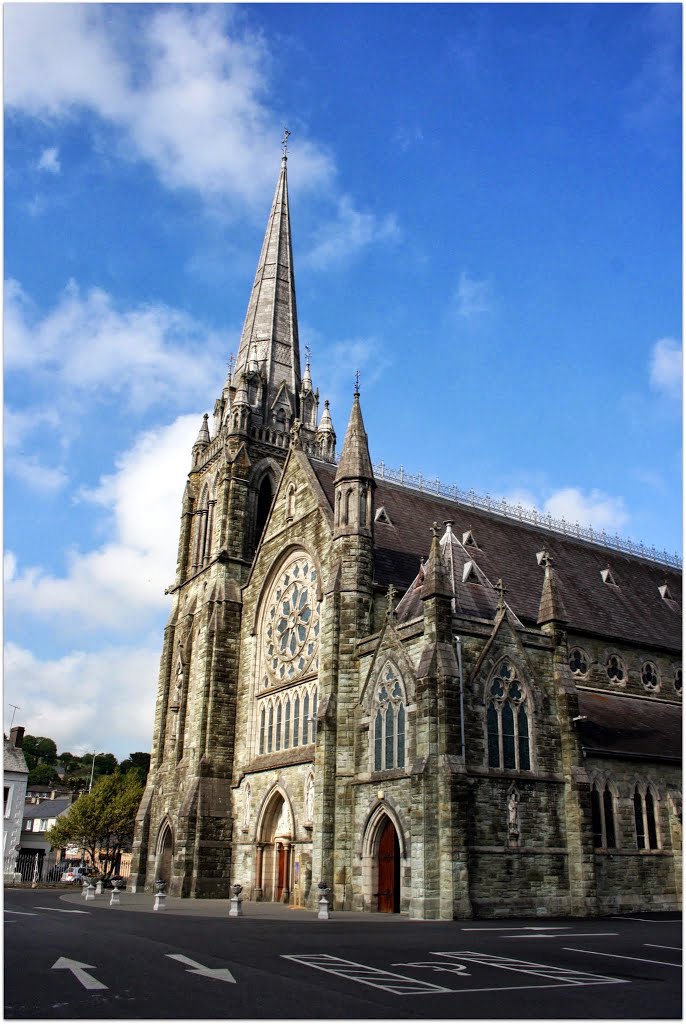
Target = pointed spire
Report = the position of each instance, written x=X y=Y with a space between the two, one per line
x=355 y=462
x=307 y=377
x=325 y=423
x=204 y=432
x=551 y=608
x=436 y=582
x=270 y=331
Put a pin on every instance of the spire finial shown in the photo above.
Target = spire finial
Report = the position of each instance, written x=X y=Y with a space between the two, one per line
x=284 y=143
x=357 y=383
x=307 y=356
x=231 y=362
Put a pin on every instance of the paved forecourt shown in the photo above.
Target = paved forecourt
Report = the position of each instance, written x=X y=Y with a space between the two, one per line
x=71 y=958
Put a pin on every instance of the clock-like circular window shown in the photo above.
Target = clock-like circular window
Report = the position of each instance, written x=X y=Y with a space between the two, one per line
x=291 y=629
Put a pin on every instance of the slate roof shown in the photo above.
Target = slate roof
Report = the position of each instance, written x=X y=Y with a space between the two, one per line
x=47 y=808
x=13 y=757
x=632 y=611
x=624 y=725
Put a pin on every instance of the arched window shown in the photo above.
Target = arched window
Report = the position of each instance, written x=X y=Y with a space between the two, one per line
x=296 y=721
x=290 y=502
x=314 y=715
x=645 y=819
x=278 y=726
x=507 y=721
x=306 y=718
x=388 y=717
x=270 y=728
x=287 y=725
x=264 y=503
x=347 y=511
x=603 y=817
x=262 y=715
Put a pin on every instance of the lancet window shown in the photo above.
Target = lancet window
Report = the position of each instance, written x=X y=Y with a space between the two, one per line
x=204 y=517
x=507 y=720
x=388 y=722
x=287 y=719
x=603 y=816
x=647 y=837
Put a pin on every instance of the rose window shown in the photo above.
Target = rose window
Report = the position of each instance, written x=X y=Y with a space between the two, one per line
x=291 y=635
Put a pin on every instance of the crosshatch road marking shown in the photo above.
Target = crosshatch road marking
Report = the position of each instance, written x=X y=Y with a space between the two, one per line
x=619 y=956
x=386 y=980
x=398 y=984
x=562 y=975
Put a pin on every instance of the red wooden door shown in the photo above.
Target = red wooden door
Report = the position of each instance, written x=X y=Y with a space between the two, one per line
x=281 y=872
x=389 y=871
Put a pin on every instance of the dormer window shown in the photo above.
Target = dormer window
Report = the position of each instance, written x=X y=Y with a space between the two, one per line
x=469 y=573
x=468 y=539
x=382 y=516
x=607 y=577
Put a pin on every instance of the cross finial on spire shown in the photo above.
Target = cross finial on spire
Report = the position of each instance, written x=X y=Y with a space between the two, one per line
x=435 y=530
x=307 y=355
x=390 y=599
x=230 y=364
x=284 y=142
x=357 y=382
x=546 y=560
x=502 y=590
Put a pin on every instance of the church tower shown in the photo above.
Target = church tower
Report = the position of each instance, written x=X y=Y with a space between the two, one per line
x=184 y=826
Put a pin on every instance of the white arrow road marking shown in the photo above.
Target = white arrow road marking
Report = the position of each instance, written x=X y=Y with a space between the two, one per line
x=22 y=913
x=79 y=971
x=220 y=973
x=56 y=910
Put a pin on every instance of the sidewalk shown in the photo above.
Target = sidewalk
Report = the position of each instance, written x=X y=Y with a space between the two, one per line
x=143 y=902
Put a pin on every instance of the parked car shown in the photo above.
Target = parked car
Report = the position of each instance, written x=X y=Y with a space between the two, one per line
x=76 y=874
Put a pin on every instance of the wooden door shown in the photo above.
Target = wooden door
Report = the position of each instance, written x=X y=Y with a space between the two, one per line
x=389 y=870
x=281 y=872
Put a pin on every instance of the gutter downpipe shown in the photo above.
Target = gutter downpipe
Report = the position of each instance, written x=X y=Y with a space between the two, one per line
x=458 y=651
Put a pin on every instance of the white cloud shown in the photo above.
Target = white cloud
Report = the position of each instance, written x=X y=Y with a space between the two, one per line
x=35 y=474
x=666 y=368
x=189 y=96
x=49 y=161
x=593 y=508
x=351 y=231
x=472 y=297
x=149 y=354
x=100 y=701
x=122 y=581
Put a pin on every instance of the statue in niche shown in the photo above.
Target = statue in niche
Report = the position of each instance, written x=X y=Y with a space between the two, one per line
x=309 y=800
x=513 y=813
x=178 y=685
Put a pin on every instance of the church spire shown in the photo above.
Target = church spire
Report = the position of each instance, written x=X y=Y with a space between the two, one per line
x=355 y=462
x=270 y=331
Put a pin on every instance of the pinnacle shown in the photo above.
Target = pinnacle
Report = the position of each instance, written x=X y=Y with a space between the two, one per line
x=355 y=462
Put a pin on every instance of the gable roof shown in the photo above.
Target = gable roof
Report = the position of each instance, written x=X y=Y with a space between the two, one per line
x=13 y=759
x=47 y=808
x=633 y=610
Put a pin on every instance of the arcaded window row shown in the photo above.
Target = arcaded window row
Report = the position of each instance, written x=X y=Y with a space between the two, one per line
x=616 y=671
x=604 y=816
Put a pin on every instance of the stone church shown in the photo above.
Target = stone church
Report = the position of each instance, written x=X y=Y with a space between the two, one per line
x=439 y=706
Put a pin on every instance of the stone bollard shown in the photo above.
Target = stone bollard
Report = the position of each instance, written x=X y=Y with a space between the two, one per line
x=236 y=909
x=98 y=887
x=89 y=891
x=324 y=911
x=160 y=896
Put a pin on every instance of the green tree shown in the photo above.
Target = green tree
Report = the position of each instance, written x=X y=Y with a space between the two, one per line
x=105 y=764
x=43 y=775
x=139 y=762
x=39 y=750
x=101 y=821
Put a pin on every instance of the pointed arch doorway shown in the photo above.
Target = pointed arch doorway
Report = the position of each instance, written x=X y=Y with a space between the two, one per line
x=164 y=857
x=388 y=866
x=274 y=860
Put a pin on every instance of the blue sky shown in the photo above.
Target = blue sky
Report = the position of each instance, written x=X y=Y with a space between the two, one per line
x=486 y=214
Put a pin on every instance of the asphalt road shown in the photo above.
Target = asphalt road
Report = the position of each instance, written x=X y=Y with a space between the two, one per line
x=70 y=959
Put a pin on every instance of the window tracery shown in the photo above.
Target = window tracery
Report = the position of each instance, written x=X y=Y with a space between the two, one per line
x=388 y=716
x=291 y=631
x=279 y=712
x=677 y=679
x=578 y=661
x=507 y=720
x=614 y=668
x=649 y=675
